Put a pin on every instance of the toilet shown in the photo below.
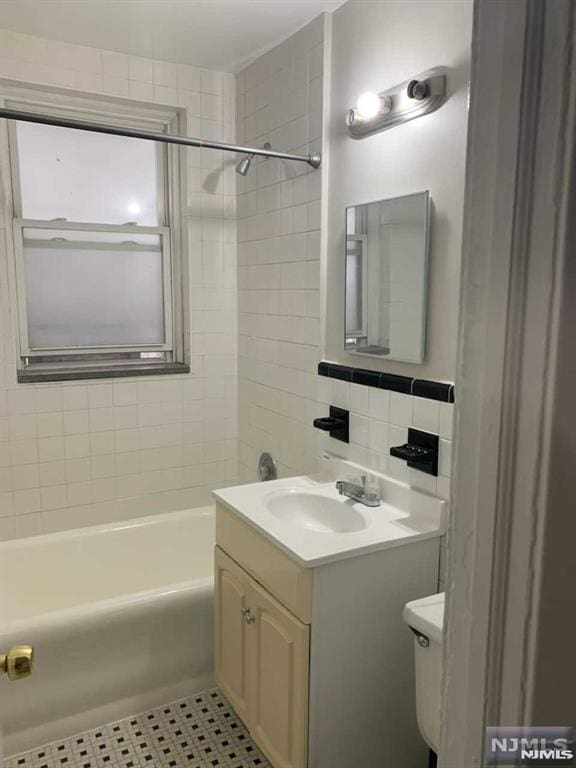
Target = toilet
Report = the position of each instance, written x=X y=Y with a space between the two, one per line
x=425 y=617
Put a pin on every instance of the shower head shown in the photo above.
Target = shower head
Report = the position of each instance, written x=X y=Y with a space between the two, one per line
x=244 y=165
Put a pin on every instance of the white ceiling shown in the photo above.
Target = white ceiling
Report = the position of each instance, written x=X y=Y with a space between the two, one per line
x=217 y=34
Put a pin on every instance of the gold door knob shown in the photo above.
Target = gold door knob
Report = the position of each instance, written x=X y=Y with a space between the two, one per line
x=18 y=662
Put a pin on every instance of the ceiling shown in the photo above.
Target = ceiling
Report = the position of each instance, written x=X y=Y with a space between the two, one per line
x=217 y=34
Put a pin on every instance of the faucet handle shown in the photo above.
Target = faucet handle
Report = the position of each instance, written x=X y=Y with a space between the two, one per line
x=372 y=488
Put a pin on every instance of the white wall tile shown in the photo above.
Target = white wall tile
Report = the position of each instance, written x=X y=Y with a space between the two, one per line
x=358 y=429
x=52 y=473
x=76 y=446
x=49 y=399
x=445 y=458
x=115 y=86
x=75 y=398
x=341 y=394
x=446 y=420
x=140 y=69
x=140 y=91
x=426 y=415
x=378 y=436
x=423 y=482
x=114 y=64
x=359 y=399
x=401 y=409
x=379 y=404
x=50 y=424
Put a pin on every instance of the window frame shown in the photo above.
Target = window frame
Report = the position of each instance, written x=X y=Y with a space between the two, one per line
x=172 y=189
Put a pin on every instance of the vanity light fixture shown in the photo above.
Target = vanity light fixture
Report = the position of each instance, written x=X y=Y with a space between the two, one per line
x=376 y=112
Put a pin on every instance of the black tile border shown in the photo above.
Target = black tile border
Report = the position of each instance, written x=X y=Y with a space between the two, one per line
x=432 y=390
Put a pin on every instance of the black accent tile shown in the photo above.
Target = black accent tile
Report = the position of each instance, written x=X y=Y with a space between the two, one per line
x=396 y=383
x=342 y=372
x=368 y=378
x=433 y=390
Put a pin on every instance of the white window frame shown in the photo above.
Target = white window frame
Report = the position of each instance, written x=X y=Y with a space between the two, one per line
x=172 y=189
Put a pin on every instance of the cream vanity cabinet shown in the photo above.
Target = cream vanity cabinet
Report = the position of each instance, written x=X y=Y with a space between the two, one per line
x=262 y=653
x=316 y=661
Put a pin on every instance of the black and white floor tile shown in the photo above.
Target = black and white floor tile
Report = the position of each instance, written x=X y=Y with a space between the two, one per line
x=199 y=732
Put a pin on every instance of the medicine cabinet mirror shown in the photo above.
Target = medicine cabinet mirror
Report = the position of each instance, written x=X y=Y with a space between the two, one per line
x=386 y=277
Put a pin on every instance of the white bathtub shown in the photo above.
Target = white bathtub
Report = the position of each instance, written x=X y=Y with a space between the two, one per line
x=120 y=617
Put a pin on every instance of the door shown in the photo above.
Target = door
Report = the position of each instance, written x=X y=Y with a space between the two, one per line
x=231 y=627
x=278 y=682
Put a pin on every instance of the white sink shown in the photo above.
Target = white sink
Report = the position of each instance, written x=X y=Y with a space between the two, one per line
x=315 y=512
x=314 y=525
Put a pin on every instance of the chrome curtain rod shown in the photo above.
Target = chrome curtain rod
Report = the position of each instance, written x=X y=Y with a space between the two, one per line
x=83 y=125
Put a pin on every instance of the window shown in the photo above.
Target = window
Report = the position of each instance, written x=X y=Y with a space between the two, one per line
x=94 y=249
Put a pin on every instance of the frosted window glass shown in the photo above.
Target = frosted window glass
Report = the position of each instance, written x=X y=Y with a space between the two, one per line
x=82 y=176
x=97 y=294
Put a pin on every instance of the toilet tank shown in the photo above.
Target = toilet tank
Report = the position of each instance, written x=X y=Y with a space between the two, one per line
x=426 y=617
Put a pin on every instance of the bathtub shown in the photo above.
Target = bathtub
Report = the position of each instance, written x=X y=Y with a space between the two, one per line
x=120 y=617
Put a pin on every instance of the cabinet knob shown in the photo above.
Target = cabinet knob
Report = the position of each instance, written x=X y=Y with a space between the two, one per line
x=250 y=619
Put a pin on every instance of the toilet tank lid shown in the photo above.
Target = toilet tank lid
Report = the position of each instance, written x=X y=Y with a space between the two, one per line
x=427 y=616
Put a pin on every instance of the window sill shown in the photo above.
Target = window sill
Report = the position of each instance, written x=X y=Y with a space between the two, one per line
x=39 y=374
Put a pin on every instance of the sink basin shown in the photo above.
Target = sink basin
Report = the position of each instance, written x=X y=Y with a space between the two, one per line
x=314 y=512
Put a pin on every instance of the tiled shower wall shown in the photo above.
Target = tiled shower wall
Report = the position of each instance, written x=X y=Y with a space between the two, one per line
x=279 y=100
x=80 y=453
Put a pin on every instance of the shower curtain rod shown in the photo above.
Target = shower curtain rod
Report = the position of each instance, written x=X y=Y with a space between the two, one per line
x=83 y=125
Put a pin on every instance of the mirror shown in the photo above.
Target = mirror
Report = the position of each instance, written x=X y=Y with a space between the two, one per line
x=386 y=276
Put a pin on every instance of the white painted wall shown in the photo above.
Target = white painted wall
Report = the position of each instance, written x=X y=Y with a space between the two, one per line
x=78 y=453
x=375 y=46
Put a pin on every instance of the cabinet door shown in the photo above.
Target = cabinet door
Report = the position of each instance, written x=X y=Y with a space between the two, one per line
x=231 y=628
x=278 y=692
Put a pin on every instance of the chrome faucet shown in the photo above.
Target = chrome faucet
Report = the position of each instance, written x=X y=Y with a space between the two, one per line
x=359 y=491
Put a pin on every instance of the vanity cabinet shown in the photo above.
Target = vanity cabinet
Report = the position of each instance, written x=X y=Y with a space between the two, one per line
x=231 y=586
x=317 y=661
x=262 y=661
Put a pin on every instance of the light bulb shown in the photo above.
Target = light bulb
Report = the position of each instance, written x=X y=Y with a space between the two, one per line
x=134 y=208
x=369 y=105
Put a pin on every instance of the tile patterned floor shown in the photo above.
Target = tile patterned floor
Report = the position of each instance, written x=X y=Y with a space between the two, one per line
x=199 y=732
